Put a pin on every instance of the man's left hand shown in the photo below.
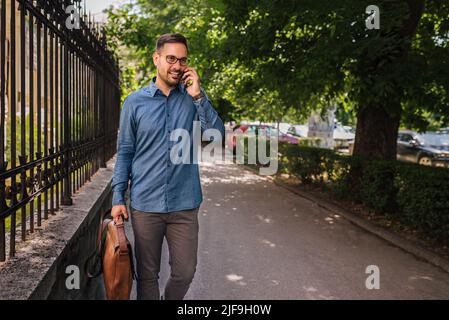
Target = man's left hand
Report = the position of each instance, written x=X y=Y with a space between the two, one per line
x=191 y=77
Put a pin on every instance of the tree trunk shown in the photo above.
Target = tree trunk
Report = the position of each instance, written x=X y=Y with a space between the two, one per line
x=376 y=137
x=377 y=125
x=376 y=133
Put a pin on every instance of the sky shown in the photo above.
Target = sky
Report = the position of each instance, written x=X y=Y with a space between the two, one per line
x=97 y=6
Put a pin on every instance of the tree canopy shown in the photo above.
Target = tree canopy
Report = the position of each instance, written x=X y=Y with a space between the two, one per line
x=275 y=59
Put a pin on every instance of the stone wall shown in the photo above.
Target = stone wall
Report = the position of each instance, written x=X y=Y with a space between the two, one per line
x=66 y=239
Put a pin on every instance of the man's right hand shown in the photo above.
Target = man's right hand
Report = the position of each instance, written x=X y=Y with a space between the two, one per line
x=117 y=211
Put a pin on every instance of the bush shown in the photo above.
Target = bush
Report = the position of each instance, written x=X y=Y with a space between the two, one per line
x=423 y=194
x=378 y=188
x=307 y=163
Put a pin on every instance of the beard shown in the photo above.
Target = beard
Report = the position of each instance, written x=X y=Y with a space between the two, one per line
x=172 y=78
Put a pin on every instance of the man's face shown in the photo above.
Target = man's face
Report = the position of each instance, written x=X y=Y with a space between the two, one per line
x=170 y=73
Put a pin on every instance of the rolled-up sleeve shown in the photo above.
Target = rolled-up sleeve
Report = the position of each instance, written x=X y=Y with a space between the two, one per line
x=126 y=147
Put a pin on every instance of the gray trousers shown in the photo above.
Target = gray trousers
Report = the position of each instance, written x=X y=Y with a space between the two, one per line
x=181 y=231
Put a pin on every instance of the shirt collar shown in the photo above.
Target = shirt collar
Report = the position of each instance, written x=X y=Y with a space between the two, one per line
x=152 y=88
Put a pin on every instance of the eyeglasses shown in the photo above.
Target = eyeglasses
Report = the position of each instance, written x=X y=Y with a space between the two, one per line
x=172 y=60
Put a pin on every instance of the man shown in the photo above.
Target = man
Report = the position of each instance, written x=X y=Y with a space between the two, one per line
x=165 y=195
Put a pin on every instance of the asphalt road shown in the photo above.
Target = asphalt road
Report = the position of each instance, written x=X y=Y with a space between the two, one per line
x=260 y=241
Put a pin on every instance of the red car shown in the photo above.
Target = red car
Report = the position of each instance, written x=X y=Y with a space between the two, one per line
x=265 y=130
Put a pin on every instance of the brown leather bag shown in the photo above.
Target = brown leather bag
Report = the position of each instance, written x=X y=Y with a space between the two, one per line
x=113 y=258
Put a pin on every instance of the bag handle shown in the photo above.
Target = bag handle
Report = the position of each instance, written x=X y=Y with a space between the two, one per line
x=123 y=243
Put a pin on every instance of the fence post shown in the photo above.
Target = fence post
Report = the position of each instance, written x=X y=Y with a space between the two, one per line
x=3 y=163
x=104 y=117
x=67 y=197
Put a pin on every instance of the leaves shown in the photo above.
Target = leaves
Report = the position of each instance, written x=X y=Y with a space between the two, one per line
x=265 y=59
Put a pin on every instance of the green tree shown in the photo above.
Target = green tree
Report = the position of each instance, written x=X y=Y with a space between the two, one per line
x=311 y=52
x=267 y=59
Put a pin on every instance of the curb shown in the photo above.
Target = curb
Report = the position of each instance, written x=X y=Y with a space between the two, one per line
x=407 y=245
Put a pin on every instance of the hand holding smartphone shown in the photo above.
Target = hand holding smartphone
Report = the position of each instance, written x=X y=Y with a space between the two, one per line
x=188 y=83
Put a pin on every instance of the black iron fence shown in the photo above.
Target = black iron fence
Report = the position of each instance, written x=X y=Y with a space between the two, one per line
x=60 y=108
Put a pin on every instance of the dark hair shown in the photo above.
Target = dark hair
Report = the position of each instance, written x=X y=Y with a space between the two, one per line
x=171 y=38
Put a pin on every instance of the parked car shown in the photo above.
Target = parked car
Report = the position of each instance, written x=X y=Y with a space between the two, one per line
x=342 y=135
x=430 y=149
x=256 y=129
x=298 y=130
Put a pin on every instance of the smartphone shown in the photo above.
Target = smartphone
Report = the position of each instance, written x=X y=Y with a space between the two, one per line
x=180 y=78
x=183 y=82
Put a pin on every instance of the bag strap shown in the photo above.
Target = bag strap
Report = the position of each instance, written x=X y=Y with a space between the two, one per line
x=102 y=226
x=99 y=250
x=124 y=245
x=122 y=241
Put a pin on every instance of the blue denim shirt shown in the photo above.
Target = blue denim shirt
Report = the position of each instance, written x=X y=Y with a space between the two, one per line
x=147 y=119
